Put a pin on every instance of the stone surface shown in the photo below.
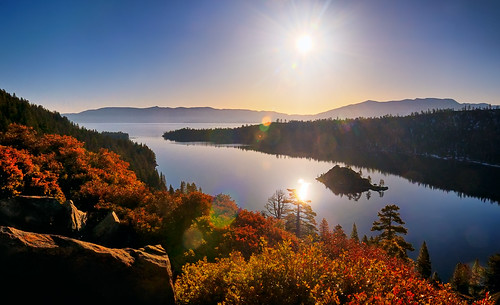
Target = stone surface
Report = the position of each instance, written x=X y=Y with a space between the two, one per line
x=107 y=228
x=44 y=268
x=42 y=215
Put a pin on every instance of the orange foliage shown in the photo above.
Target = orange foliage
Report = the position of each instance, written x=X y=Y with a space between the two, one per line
x=280 y=275
x=249 y=229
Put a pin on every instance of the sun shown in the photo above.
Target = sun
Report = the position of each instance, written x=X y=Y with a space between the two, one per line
x=304 y=43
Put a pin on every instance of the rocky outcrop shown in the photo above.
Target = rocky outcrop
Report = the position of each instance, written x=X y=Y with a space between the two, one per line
x=44 y=268
x=42 y=215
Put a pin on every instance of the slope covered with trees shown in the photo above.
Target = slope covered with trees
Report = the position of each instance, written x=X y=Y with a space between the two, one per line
x=141 y=158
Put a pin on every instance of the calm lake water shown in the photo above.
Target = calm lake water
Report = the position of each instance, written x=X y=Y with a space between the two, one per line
x=455 y=229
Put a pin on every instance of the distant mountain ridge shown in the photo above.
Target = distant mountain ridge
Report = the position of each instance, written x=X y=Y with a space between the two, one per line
x=212 y=115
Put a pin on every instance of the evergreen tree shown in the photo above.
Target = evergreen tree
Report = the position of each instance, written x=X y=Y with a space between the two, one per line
x=300 y=220
x=492 y=278
x=390 y=224
x=424 y=262
x=476 y=284
x=324 y=231
x=461 y=278
x=338 y=232
x=364 y=239
x=354 y=233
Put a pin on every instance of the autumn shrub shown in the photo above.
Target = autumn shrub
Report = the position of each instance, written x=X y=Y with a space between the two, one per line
x=280 y=275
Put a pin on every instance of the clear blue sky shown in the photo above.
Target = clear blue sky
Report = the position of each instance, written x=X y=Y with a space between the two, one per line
x=74 y=55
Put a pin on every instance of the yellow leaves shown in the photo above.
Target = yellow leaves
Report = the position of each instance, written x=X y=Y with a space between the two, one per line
x=280 y=275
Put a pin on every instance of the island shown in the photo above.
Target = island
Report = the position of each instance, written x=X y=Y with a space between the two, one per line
x=343 y=180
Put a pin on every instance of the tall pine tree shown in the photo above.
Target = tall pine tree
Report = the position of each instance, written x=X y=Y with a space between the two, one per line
x=354 y=233
x=301 y=219
x=390 y=224
x=324 y=231
x=424 y=262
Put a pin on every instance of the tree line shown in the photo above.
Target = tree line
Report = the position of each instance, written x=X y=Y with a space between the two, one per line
x=460 y=135
x=17 y=110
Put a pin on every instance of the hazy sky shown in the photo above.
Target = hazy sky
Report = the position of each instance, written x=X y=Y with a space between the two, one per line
x=74 y=55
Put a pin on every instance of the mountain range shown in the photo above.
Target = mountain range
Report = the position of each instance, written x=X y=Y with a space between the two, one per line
x=213 y=115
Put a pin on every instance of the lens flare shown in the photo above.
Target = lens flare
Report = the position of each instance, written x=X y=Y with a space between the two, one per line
x=192 y=238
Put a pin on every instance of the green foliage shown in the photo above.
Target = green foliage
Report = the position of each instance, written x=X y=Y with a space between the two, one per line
x=390 y=224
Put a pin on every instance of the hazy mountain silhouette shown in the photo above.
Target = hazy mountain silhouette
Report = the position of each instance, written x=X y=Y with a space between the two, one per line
x=404 y=107
x=212 y=115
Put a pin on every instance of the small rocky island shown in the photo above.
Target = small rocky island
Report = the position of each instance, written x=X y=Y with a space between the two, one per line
x=345 y=181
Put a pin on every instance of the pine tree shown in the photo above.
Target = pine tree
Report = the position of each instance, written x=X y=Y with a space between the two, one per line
x=461 y=278
x=354 y=233
x=324 y=231
x=424 y=262
x=492 y=278
x=391 y=224
x=476 y=284
x=364 y=239
x=301 y=219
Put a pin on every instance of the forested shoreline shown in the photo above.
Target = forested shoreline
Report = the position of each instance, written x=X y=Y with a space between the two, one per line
x=470 y=135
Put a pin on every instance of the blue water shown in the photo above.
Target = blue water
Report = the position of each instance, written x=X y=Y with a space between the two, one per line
x=455 y=229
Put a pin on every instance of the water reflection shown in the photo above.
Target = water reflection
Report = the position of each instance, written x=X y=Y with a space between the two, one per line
x=464 y=178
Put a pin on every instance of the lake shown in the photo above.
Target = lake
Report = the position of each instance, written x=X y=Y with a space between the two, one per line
x=455 y=228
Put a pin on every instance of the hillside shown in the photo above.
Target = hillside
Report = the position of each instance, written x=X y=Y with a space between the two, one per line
x=212 y=115
x=172 y=115
x=396 y=108
x=18 y=110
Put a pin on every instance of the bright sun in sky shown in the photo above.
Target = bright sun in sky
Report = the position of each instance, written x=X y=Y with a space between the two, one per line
x=304 y=44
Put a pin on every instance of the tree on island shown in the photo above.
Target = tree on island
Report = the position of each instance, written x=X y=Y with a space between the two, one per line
x=390 y=224
x=424 y=262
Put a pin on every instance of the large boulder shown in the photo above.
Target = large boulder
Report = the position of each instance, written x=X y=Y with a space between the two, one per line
x=44 y=268
x=42 y=215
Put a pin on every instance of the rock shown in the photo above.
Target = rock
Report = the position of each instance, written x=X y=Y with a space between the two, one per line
x=44 y=268
x=107 y=228
x=77 y=219
x=41 y=214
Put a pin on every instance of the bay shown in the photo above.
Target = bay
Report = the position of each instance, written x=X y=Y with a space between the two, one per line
x=455 y=228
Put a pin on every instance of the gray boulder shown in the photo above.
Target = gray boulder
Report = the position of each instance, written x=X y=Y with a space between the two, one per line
x=44 y=268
